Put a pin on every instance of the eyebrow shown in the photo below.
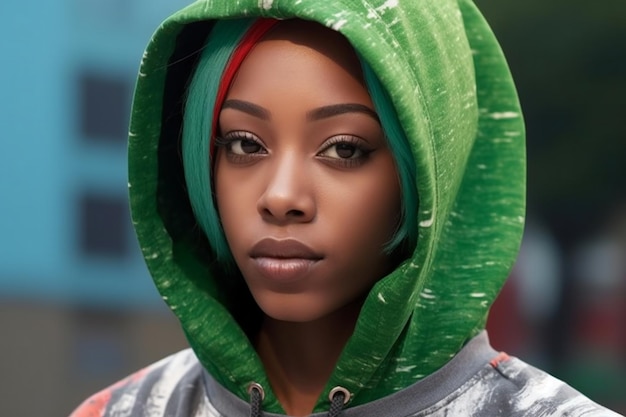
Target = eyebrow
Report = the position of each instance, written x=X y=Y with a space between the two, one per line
x=247 y=107
x=319 y=113
x=338 y=109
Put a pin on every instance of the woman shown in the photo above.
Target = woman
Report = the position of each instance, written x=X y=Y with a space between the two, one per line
x=275 y=170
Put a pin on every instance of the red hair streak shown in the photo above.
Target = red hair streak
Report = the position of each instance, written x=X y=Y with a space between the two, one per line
x=250 y=39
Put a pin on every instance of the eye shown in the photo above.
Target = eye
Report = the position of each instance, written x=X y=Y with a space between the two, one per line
x=244 y=146
x=345 y=149
x=241 y=144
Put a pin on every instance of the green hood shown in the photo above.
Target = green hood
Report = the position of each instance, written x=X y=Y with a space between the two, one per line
x=456 y=101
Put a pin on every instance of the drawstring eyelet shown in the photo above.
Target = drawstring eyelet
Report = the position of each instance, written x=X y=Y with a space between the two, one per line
x=338 y=396
x=257 y=395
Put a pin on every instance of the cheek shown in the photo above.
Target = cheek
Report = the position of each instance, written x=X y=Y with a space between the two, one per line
x=370 y=207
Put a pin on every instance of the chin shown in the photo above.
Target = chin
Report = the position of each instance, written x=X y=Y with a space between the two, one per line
x=291 y=316
x=292 y=308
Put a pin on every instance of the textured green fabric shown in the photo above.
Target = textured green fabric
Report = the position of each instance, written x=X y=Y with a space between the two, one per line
x=456 y=101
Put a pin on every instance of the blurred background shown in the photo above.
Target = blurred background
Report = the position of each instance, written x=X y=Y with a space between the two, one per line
x=77 y=307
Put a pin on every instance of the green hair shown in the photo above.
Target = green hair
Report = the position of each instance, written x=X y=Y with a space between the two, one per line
x=198 y=125
x=406 y=235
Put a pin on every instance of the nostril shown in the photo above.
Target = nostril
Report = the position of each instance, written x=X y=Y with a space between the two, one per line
x=289 y=214
x=280 y=210
x=295 y=213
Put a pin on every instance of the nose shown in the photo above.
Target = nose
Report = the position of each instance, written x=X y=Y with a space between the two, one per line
x=288 y=196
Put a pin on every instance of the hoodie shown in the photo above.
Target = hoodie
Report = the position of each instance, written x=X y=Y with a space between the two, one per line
x=418 y=347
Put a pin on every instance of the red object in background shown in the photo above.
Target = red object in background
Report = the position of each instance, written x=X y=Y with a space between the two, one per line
x=599 y=324
x=507 y=329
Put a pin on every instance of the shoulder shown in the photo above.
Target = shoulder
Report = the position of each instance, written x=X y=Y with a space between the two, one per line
x=172 y=383
x=510 y=387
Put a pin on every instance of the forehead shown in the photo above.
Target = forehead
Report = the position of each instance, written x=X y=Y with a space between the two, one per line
x=316 y=37
x=304 y=55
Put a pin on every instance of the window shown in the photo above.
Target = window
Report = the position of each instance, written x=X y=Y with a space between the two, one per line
x=104 y=106
x=104 y=224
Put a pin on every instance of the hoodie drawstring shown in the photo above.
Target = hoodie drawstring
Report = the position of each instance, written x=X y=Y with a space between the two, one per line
x=338 y=397
x=256 y=398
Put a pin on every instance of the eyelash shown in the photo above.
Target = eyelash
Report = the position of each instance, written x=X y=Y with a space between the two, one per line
x=237 y=138
x=234 y=138
x=362 y=151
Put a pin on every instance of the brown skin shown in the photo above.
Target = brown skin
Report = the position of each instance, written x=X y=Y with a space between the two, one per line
x=326 y=179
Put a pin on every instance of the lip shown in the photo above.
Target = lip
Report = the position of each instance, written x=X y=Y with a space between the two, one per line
x=283 y=260
x=283 y=249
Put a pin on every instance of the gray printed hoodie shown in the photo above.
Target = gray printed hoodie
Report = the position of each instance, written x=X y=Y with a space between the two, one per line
x=418 y=348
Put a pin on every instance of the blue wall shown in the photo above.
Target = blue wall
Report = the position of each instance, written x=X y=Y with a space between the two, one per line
x=45 y=164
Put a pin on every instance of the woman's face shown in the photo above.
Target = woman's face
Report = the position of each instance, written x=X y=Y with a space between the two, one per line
x=306 y=187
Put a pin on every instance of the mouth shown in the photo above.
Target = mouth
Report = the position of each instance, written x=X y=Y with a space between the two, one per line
x=283 y=249
x=283 y=260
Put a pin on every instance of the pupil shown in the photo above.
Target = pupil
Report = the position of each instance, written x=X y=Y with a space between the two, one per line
x=249 y=146
x=345 y=151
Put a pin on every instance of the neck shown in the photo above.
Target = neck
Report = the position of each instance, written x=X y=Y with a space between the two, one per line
x=299 y=358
